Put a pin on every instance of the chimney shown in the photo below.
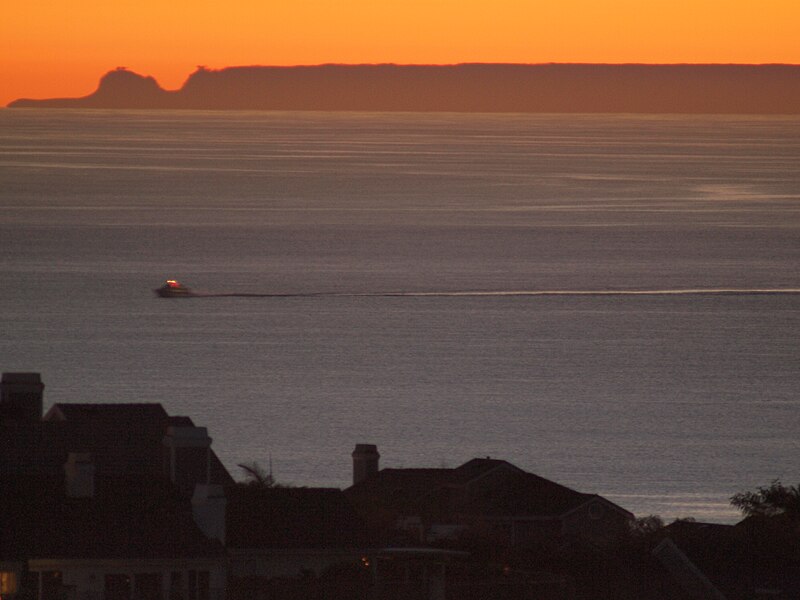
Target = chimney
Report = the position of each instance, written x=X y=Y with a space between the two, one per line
x=187 y=456
x=79 y=471
x=21 y=397
x=365 y=462
x=208 y=510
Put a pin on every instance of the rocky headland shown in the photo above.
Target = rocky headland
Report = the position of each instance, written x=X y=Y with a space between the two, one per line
x=545 y=88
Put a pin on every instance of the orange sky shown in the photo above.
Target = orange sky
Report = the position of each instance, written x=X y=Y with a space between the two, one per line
x=61 y=47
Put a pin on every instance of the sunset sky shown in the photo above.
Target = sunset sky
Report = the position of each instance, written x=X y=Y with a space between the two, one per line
x=61 y=47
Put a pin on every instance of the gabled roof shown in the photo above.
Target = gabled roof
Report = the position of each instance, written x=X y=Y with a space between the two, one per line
x=524 y=495
x=128 y=517
x=123 y=438
x=481 y=486
x=135 y=512
x=108 y=414
x=477 y=467
x=275 y=518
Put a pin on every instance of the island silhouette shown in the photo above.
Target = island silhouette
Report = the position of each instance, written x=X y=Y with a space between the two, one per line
x=479 y=87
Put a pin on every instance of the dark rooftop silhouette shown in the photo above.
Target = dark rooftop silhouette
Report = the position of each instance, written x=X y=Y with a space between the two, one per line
x=128 y=517
x=529 y=494
x=280 y=517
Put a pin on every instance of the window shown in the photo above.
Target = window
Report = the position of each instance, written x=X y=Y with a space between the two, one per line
x=192 y=585
x=118 y=587
x=8 y=582
x=203 y=585
x=29 y=584
x=176 y=586
x=52 y=587
x=198 y=585
x=147 y=586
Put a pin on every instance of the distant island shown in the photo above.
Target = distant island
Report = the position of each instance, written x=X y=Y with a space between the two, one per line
x=542 y=88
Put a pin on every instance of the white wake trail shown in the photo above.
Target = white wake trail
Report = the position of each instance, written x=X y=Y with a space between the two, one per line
x=511 y=293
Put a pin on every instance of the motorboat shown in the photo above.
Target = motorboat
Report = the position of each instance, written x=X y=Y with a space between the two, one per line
x=173 y=289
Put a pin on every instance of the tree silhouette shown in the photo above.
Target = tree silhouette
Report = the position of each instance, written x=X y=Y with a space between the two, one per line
x=256 y=476
x=769 y=501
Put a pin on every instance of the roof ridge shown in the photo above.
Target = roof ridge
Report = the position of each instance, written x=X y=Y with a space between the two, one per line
x=395 y=469
x=105 y=404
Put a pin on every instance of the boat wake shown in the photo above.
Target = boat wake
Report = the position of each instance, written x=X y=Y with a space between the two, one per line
x=506 y=293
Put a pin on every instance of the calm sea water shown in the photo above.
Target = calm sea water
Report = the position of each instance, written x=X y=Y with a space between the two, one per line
x=664 y=403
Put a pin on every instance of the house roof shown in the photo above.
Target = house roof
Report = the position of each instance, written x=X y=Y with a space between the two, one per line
x=135 y=511
x=525 y=494
x=123 y=438
x=768 y=547
x=93 y=480
x=128 y=517
x=481 y=486
x=272 y=518
x=130 y=413
x=477 y=467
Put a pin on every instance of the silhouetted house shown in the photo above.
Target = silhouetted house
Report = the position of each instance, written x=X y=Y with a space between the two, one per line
x=112 y=501
x=483 y=496
x=756 y=558
x=129 y=539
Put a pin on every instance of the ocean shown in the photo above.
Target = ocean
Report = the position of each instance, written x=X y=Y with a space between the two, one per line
x=442 y=285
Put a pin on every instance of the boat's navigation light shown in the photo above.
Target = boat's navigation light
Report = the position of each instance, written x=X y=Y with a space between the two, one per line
x=172 y=283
